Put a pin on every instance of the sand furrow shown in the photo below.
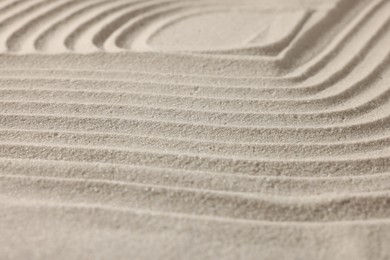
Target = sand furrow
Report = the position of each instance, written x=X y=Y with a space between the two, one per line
x=212 y=129
x=346 y=1
x=206 y=132
x=196 y=103
x=36 y=105
x=58 y=34
x=334 y=95
x=272 y=185
x=330 y=166
x=186 y=201
x=251 y=150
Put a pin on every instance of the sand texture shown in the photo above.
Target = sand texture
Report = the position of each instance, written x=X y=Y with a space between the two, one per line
x=195 y=129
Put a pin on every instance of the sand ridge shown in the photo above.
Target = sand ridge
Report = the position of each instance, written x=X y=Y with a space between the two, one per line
x=183 y=129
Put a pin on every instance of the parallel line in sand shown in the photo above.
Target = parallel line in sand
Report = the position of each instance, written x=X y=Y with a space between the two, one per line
x=214 y=203
x=262 y=150
x=95 y=118
x=271 y=185
x=135 y=213
x=214 y=117
x=120 y=85
x=302 y=167
x=205 y=132
x=195 y=103
x=280 y=102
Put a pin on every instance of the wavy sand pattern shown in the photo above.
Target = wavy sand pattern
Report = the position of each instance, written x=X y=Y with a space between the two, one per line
x=183 y=129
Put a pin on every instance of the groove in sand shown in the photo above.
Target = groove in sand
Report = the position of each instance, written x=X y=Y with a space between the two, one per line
x=215 y=129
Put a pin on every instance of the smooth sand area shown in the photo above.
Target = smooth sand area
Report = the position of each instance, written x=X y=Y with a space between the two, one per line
x=195 y=129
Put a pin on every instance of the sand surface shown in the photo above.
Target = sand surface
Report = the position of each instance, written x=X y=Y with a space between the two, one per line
x=187 y=129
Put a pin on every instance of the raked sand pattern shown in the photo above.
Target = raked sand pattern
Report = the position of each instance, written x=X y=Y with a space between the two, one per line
x=217 y=129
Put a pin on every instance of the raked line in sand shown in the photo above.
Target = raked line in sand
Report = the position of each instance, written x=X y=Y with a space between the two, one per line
x=216 y=129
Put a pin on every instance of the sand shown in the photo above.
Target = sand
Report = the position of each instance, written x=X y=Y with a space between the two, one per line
x=183 y=129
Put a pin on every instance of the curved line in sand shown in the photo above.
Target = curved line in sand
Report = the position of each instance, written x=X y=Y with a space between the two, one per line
x=294 y=131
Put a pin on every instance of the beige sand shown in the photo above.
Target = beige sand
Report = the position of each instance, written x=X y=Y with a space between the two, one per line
x=183 y=129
